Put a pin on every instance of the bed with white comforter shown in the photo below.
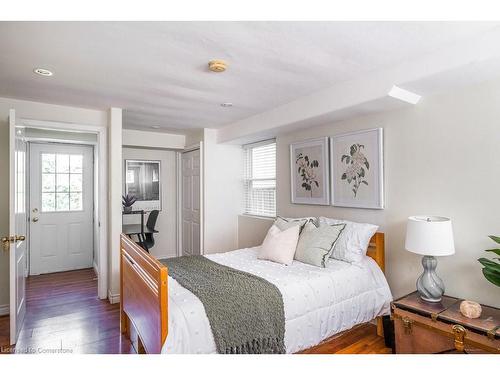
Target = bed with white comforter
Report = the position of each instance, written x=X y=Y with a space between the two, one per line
x=318 y=302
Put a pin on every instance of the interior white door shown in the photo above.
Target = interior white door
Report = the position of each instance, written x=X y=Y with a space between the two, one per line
x=17 y=226
x=61 y=204
x=191 y=202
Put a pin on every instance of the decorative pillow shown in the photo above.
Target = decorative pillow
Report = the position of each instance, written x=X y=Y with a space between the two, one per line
x=279 y=246
x=285 y=223
x=317 y=243
x=353 y=243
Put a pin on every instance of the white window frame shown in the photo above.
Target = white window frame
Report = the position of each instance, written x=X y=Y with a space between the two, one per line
x=249 y=180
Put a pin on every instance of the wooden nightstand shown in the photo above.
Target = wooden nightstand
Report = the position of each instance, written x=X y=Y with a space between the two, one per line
x=423 y=327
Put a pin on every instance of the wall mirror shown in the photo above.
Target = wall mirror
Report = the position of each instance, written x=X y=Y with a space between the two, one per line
x=142 y=180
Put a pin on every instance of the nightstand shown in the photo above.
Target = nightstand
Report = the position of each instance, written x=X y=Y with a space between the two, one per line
x=423 y=327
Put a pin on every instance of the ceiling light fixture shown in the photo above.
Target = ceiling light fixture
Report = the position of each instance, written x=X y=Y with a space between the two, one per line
x=155 y=126
x=43 y=72
x=227 y=104
x=217 y=66
x=404 y=95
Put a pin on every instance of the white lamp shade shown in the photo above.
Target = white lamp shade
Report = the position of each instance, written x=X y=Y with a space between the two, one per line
x=429 y=235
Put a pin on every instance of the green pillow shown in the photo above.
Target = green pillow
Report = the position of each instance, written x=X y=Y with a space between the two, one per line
x=316 y=243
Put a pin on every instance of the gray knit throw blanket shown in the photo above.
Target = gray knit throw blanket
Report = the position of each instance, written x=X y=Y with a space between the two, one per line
x=245 y=312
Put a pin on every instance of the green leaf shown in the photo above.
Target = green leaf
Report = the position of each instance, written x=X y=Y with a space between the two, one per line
x=495 y=238
x=344 y=176
x=490 y=264
x=316 y=182
x=496 y=251
x=492 y=277
x=364 y=182
x=367 y=164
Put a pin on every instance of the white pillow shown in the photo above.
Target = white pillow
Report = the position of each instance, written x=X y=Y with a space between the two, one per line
x=279 y=246
x=285 y=223
x=354 y=240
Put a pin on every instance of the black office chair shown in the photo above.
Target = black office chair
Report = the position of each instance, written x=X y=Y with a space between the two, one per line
x=149 y=240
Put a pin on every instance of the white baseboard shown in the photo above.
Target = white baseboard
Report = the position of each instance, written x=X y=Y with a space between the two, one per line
x=4 y=310
x=113 y=298
x=96 y=270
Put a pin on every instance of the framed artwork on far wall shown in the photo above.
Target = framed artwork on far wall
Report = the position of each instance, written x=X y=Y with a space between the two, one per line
x=310 y=172
x=357 y=169
x=142 y=180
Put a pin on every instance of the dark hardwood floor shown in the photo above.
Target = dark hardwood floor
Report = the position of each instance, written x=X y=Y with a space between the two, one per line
x=64 y=314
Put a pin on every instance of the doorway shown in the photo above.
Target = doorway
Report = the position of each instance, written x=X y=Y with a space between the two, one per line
x=61 y=205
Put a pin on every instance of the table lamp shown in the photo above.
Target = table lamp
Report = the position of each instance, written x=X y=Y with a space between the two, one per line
x=430 y=236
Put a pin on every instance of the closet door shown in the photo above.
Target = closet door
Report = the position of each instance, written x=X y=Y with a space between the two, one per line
x=191 y=202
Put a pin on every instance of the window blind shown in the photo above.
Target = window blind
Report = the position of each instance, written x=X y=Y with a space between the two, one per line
x=260 y=178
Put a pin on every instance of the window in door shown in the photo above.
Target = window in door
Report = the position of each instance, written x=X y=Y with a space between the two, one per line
x=62 y=176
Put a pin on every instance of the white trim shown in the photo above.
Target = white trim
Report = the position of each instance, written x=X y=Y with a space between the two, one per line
x=259 y=143
x=4 y=309
x=178 y=166
x=101 y=182
x=113 y=298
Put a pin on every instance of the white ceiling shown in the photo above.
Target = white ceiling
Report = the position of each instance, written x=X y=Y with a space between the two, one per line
x=157 y=71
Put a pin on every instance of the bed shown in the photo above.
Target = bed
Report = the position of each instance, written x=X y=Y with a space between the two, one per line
x=318 y=302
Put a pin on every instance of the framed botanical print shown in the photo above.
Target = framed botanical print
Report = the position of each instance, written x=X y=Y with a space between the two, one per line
x=310 y=172
x=357 y=170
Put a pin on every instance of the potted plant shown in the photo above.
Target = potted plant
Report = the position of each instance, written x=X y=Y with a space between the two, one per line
x=491 y=270
x=128 y=201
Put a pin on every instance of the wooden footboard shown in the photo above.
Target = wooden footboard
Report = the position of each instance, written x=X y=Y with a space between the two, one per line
x=143 y=296
x=144 y=292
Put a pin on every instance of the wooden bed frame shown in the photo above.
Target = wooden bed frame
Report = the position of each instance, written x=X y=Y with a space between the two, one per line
x=144 y=293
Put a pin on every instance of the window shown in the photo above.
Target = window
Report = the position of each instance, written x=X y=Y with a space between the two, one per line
x=62 y=182
x=260 y=178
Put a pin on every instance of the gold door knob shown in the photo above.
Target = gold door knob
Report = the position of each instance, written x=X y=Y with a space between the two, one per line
x=20 y=238
x=35 y=219
x=6 y=242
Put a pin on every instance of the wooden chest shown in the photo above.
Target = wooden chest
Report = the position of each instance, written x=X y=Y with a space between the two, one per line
x=423 y=327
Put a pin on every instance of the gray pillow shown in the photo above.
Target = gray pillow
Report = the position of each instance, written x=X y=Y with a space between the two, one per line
x=317 y=242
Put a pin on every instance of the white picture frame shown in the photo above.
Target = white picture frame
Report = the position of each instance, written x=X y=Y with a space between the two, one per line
x=357 y=169
x=309 y=172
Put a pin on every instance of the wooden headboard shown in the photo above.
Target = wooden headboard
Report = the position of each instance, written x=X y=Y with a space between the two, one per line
x=376 y=250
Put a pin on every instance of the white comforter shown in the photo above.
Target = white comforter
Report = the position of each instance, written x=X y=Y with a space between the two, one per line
x=318 y=302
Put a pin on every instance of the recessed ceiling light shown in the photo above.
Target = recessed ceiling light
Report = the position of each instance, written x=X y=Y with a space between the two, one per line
x=404 y=95
x=155 y=127
x=227 y=104
x=43 y=72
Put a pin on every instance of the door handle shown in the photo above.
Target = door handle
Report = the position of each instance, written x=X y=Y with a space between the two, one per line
x=6 y=242
x=20 y=238
x=35 y=219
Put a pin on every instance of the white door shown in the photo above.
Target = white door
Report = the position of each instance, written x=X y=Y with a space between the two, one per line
x=61 y=207
x=191 y=203
x=15 y=242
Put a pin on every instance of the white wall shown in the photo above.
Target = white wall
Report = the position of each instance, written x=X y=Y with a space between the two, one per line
x=252 y=230
x=222 y=193
x=441 y=158
x=137 y=138
x=114 y=202
x=166 y=239
x=38 y=111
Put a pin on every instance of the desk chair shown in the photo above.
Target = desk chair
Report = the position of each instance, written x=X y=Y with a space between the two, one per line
x=148 y=238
